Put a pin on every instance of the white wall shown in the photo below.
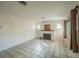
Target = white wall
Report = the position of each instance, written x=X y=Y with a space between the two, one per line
x=13 y=28
x=14 y=31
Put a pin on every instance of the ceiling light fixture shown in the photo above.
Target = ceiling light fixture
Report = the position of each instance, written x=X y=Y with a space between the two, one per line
x=23 y=2
x=42 y=17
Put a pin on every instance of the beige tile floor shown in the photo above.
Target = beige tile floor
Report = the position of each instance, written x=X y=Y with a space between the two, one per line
x=39 y=49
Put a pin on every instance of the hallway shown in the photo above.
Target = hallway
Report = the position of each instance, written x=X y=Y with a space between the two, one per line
x=39 y=49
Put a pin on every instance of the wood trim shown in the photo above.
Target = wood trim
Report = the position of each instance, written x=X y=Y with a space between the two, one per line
x=65 y=36
x=47 y=30
x=74 y=45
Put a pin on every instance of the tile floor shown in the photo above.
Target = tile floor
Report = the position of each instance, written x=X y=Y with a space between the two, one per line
x=39 y=49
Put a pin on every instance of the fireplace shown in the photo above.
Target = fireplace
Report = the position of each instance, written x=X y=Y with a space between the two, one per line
x=46 y=36
x=47 y=33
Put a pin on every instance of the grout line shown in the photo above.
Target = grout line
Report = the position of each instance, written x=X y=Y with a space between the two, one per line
x=9 y=54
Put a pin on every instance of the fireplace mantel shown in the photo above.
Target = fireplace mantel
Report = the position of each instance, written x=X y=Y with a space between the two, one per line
x=47 y=30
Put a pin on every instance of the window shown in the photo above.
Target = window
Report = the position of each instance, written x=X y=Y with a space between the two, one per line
x=59 y=26
x=38 y=27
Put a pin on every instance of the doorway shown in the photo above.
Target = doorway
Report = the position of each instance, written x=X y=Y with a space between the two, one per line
x=68 y=32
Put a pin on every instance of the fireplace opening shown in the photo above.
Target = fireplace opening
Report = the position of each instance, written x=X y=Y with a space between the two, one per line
x=46 y=36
